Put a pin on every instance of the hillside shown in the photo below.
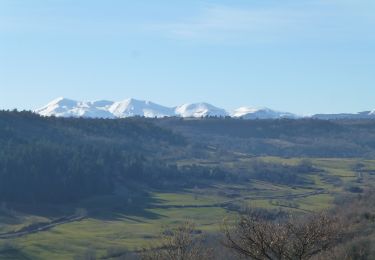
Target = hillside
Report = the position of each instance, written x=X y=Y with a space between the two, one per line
x=113 y=184
x=61 y=160
x=282 y=137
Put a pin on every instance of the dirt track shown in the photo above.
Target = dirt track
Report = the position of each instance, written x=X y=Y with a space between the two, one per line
x=44 y=227
x=41 y=227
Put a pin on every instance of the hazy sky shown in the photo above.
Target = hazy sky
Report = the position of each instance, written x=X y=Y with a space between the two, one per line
x=304 y=56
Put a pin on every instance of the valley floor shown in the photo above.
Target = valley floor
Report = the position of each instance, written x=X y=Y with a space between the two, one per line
x=113 y=225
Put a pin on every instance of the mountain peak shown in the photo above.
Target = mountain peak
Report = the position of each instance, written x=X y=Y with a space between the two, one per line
x=65 y=107
x=199 y=110
x=62 y=100
x=244 y=110
x=132 y=107
x=261 y=113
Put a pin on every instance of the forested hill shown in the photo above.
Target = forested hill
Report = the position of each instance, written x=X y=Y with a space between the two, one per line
x=282 y=137
x=26 y=126
x=61 y=160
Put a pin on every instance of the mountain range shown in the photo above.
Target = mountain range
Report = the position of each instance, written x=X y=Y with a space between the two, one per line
x=63 y=107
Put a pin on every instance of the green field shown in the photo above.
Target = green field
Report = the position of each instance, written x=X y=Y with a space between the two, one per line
x=115 y=225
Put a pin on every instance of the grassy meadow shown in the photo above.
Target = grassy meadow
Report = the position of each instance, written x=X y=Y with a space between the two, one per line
x=115 y=225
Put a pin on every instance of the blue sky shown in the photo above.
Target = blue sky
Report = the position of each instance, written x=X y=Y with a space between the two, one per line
x=309 y=56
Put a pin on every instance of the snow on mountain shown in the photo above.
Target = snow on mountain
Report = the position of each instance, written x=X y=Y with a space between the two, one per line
x=57 y=107
x=132 y=107
x=261 y=113
x=199 y=110
x=63 y=107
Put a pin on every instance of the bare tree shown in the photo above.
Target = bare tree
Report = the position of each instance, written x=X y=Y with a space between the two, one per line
x=253 y=237
x=183 y=243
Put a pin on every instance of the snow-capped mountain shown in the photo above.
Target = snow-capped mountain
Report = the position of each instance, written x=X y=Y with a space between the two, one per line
x=261 y=113
x=63 y=107
x=132 y=107
x=199 y=110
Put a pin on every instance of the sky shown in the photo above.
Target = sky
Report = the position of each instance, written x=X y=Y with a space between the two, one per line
x=310 y=56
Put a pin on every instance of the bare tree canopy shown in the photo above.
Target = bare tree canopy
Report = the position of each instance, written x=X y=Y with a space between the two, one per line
x=183 y=243
x=253 y=237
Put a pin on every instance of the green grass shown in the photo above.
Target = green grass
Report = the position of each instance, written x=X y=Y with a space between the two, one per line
x=130 y=232
x=115 y=223
x=186 y=198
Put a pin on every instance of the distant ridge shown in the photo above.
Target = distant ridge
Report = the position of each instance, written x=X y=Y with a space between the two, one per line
x=199 y=110
x=64 y=107
x=360 y=115
x=261 y=113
